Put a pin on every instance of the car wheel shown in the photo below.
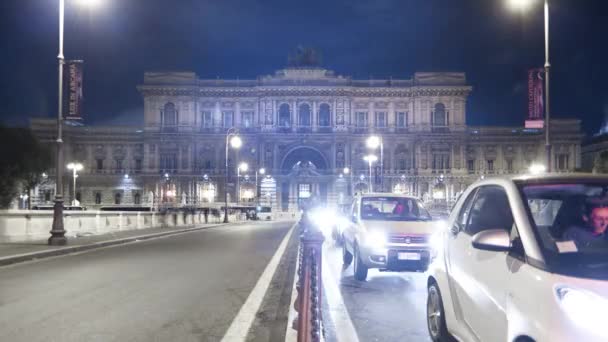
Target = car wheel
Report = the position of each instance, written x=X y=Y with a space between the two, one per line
x=360 y=268
x=347 y=258
x=435 y=315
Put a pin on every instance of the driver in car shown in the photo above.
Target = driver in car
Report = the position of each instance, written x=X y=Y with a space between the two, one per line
x=596 y=222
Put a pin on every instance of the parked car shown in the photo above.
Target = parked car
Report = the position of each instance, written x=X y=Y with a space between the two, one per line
x=523 y=259
x=390 y=232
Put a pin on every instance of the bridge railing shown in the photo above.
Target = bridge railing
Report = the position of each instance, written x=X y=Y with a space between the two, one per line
x=308 y=303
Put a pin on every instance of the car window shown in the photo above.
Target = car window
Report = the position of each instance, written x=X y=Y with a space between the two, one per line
x=490 y=210
x=393 y=209
x=463 y=215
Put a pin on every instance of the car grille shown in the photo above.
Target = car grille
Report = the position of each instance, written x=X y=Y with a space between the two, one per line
x=407 y=239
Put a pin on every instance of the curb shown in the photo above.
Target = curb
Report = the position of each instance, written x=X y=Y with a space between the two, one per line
x=18 y=258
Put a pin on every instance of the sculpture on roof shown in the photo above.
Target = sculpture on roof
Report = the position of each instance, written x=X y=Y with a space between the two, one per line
x=304 y=57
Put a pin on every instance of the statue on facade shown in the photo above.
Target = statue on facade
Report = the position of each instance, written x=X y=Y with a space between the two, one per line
x=304 y=57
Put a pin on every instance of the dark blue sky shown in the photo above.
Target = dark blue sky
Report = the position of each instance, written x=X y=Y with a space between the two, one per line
x=121 y=39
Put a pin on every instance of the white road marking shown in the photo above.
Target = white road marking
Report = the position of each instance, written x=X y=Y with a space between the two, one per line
x=345 y=330
x=239 y=328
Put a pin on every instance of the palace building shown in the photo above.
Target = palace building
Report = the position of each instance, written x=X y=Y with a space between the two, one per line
x=307 y=128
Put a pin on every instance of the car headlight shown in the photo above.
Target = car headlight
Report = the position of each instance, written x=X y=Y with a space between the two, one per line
x=436 y=243
x=323 y=218
x=586 y=309
x=375 y=239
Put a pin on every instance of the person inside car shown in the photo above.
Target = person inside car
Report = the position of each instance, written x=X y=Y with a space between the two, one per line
x=596 y=222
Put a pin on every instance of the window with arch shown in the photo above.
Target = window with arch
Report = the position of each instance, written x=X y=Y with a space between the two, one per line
x=304 y=115
x=98 y=198
x=324 y=115
x=117 y=198
x=439 y=117
x=284 y=115
x=137 y=198
x=169 y=117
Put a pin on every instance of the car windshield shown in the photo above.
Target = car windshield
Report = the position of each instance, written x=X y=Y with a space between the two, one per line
x=393 y=209
x=570 y=221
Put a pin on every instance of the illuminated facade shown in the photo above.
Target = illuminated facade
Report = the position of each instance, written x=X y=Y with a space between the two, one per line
x=304 y=126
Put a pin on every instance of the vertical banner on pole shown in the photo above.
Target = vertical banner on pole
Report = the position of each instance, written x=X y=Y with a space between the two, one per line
x=536 y=103
x=72 y=92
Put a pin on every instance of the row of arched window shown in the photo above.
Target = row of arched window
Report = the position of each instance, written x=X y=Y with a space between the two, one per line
x=304 y=115
x=439 y=115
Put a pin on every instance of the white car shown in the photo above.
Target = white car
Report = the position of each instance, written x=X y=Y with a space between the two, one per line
x=523 y=259
x=390 y=232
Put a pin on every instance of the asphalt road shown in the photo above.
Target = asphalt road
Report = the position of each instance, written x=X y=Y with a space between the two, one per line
x=386 y=307
x=186 y=287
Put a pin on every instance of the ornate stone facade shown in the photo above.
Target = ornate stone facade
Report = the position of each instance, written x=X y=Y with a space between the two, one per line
x=303 y=126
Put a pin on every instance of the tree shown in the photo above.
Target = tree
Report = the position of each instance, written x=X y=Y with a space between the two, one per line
x=23 y=161
x=601 y=163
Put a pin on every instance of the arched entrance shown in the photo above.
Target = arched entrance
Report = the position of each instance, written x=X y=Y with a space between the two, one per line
x=304 y=172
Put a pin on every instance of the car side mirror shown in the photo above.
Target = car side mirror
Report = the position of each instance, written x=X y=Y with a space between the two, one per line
x=495 y=240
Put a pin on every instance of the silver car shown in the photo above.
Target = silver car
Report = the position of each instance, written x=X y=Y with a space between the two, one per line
x=390 y=232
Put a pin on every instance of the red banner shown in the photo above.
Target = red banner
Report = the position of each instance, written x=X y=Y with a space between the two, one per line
x=536 y=103
x=72 y=90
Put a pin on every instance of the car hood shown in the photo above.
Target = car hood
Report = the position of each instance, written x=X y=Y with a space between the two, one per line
x=599 y=287
x=402 y=227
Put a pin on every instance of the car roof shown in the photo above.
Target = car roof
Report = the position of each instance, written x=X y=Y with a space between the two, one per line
x=386 y=194
x=569 y=177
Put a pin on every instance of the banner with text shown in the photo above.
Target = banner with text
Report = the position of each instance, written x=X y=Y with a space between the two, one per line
x=72 y=90
x=536 y=104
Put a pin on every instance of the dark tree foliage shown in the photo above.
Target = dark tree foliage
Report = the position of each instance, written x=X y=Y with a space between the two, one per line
x=22 y=162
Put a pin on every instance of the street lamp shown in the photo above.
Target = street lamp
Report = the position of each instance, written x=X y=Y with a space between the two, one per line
x=242 y=167
x=233 y=140
x=370 y=159
x=261 y=171
x=523 y=5
x=373 y=143
x=75 y=167
x=346 y=171
x=537 y=169
x=57 y=237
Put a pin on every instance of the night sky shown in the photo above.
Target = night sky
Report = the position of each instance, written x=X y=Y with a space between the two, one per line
x=120 y=39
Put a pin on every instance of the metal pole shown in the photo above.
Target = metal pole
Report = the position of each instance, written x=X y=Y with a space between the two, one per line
x=57 y=231
x=257 y=197
x=238 y=185
x=226 y=183
x=371 y=188
x=547 y=104
x=74 y=175
x=382 y=163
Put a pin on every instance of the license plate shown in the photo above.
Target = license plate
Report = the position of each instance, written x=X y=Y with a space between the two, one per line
x=408 y=256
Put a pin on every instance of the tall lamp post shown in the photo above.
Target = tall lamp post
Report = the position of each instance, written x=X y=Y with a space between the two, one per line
x=261 y=171
x=242 y=167
x=522 y=5
x=346 y=172
x=57 y=237
x=370 y=159
x=373 y=143
x=75 y=167
x=233 y=140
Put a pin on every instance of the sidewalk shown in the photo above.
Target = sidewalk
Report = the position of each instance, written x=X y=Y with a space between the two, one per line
x=15 y=252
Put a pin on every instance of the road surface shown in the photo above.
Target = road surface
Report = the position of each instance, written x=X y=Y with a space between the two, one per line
x=185 y=287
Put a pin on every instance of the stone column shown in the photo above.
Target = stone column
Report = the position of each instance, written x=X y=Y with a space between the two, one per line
x=315 y=116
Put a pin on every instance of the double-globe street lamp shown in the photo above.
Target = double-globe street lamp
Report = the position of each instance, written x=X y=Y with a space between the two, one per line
x=370 y=159
x=57 y=237
x=232 y=140
x=523 y=5
x=75 y=167
x=373 y=143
